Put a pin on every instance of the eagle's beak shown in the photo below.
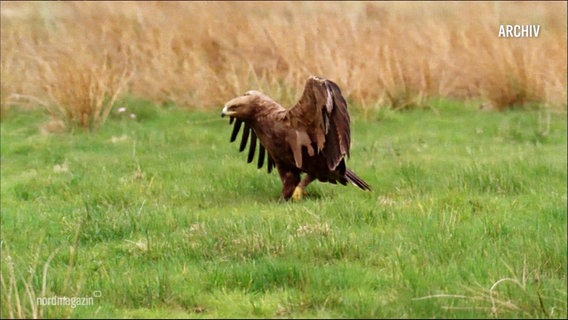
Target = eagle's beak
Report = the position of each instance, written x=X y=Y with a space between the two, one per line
x=226 y=112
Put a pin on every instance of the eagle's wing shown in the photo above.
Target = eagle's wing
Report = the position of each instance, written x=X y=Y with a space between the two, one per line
x=322 y=113
x=248 y=131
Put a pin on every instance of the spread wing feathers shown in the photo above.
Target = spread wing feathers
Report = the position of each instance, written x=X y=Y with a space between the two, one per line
x=270 y=164
x=322 y=113
x=236 y=128
x=248 y=131
x=252 y=146
x=261 y=152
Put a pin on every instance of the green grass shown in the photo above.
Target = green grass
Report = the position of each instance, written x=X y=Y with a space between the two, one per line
x=162 y=217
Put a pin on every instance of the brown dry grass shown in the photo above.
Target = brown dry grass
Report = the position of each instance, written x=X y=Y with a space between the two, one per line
x=79 y=55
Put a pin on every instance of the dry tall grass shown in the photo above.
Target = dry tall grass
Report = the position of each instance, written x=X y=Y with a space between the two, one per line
x=199 y=55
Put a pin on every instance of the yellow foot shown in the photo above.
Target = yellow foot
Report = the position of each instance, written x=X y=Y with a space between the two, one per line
x=298 y=194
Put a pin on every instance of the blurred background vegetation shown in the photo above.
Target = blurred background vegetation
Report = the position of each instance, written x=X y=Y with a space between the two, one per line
x=76 y=59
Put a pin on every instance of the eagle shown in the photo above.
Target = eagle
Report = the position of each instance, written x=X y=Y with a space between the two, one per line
x=312 y=137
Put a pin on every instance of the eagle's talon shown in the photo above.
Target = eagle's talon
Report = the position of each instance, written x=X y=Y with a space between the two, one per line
x=298 y=194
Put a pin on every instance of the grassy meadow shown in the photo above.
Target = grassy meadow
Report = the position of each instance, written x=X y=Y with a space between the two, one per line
x=163 y=217
x=120 y=189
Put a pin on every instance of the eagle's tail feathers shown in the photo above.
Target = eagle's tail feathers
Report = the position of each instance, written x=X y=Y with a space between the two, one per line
x=354 y=179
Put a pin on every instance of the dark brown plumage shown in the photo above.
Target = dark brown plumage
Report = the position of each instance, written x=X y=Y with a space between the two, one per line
x=313 y=137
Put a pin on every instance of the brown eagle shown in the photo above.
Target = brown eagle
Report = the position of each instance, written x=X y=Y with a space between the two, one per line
x=313 y=137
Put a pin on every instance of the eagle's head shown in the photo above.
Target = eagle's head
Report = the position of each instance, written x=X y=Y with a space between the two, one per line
x=247 y=105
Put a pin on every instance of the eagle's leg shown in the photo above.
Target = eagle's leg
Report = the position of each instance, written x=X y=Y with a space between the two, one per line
x=290 y=180
x=300 y=190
